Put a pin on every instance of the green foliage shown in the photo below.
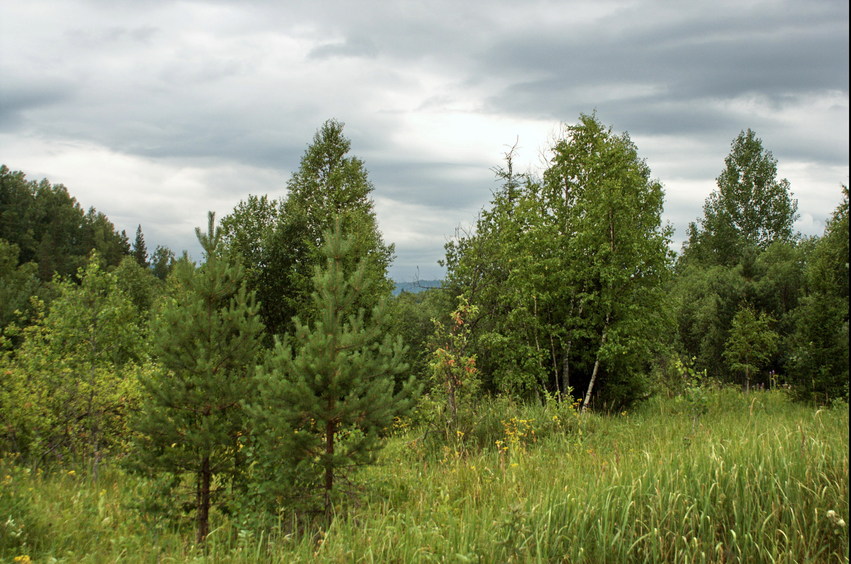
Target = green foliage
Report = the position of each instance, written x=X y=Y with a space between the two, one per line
x=410 y=317
x=51 y=229
x=765 y=481
x=819 y=362
x=248 y=234
x=567 y=273
x=280 y=243
x=751 y=208
x=162 y=262
x=751 y=344
x=453 y=367
x=742 y=250
x=139 y=284
x=326 y=395
x=140 y=249
x=17 y=283
x=206 y=338
x=69 y=386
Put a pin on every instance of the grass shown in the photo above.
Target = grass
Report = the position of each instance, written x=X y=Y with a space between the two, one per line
x=753 y=480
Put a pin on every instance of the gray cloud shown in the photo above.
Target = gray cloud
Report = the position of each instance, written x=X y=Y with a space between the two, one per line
x=220 y=99
x=351 y=47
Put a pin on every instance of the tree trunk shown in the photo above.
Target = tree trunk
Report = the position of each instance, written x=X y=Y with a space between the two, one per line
x=596 y=369
x=565 y=369
x=329 y=470
x=202 y=512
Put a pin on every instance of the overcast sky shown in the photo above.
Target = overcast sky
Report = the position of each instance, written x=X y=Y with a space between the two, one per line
x=155 y=112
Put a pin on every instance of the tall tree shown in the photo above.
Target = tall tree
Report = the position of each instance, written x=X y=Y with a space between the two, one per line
x=742 y=250
x=280 y=242
x=206 y=338
x=750 y=208
x=567 y=273
x=819 y=361
x=162 y=262
x=326 y=395
x=617 y=249
x=330 y=184
x=249 y=235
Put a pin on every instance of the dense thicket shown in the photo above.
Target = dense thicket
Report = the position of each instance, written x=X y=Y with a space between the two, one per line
x=566 y=272
x=51 y=229
x=742 y=261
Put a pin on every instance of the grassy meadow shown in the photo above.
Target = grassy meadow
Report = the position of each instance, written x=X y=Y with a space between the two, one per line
x=750 y=478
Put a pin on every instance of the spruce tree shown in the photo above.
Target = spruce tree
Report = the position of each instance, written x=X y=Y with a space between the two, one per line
x=205 y=337
x=327 y=393
x=140 y=250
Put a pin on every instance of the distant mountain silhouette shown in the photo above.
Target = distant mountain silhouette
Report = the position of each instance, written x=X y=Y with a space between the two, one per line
x=416 y=287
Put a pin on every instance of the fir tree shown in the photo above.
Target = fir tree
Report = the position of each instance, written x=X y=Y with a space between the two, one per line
x=206 y=337
x=327 y=393
x=140 y=250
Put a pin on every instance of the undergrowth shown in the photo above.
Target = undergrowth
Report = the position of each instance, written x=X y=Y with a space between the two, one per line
x=752 y=478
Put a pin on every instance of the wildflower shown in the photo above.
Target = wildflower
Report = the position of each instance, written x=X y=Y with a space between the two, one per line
x=24 y=558
x=835 y=519
x=72 y=473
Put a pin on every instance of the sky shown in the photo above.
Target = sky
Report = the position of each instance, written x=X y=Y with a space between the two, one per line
x=156 y=111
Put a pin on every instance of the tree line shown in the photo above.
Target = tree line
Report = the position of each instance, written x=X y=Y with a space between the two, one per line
x=257 y=378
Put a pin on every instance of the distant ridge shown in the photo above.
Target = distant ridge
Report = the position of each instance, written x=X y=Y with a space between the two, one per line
x=416 y=287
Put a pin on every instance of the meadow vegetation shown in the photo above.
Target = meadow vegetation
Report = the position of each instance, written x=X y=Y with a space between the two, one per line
x=758 y=479
x=574 y=391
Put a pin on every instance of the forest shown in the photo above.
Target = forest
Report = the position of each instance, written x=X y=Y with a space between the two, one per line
x=573 y=390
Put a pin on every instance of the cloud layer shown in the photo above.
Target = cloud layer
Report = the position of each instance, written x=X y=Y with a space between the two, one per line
x=155 y=112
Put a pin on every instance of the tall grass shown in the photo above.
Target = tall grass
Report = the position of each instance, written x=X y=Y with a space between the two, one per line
x=753 y=480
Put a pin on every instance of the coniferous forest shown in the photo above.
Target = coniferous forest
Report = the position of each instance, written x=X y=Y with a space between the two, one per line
x=573 y=391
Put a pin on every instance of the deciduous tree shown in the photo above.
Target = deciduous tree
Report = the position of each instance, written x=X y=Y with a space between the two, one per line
x=750 y=208
x=751 y=344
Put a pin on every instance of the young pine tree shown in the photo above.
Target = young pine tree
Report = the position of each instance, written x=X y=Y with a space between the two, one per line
x=206 y=338
x=327 y=393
